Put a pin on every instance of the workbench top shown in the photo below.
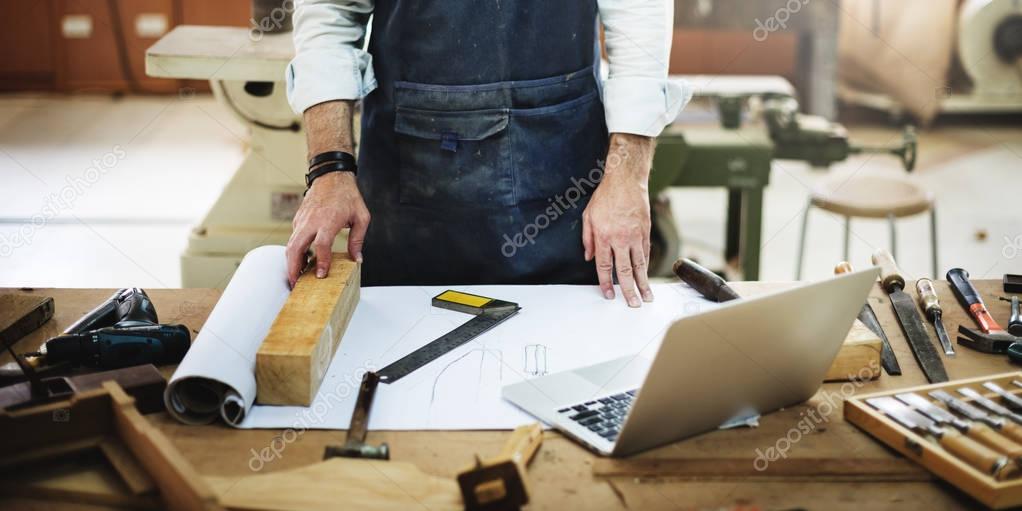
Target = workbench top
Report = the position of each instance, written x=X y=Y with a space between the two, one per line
x=714 y=470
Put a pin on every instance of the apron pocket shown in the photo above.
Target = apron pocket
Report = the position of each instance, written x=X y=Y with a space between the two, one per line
x=555 y=149
x=454 y=158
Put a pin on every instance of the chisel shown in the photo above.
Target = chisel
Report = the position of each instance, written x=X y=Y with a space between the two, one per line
x=931 y=306
x=963 y=447
x=982 y=400
x=977 y=427
x=1008 y=429
x=1013 y=402
x=905 y=309
x=869 y=318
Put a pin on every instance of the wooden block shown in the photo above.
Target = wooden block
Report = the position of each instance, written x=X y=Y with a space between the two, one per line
x=293 y=360
x=859 y=358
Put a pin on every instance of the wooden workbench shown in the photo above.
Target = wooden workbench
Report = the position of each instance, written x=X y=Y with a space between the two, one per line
x=561 y=476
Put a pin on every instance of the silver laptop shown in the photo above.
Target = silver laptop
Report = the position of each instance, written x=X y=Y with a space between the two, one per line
x=745 y=357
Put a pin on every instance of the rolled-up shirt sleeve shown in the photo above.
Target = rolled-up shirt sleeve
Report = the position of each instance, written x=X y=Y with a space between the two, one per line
x=638 y=96
x=330 y=62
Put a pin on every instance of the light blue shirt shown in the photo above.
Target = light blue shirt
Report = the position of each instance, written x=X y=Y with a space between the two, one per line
x=331 y=64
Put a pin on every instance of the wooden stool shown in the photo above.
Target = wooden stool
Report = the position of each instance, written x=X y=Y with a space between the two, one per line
x=870 y=196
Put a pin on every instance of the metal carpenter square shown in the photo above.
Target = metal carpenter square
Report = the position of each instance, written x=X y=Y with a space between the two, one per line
x=489 y=313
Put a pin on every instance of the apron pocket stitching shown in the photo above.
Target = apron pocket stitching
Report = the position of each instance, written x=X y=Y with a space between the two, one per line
x=544 y=110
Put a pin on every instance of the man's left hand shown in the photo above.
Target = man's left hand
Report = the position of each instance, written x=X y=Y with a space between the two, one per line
x=616 y=223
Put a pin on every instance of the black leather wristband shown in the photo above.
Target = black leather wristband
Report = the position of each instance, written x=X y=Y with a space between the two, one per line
x=332 y=156
x=337 y=166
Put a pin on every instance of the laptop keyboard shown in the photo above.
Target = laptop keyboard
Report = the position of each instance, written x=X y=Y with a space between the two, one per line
x=602 y=416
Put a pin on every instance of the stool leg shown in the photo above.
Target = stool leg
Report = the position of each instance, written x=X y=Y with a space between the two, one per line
x=848 y=235
x=802 y=241
x=894 y=237
x=933 y=238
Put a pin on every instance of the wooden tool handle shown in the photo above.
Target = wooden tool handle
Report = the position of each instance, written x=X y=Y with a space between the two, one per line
x=995 y=440
x=927 y=296
x=890 y=277
x=843 y=267
x=1012 y=431
x=707 y=283
x=975 y=454
x=523 y=444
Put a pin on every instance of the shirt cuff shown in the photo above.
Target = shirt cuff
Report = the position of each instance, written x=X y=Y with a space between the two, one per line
x=643 y=106
x=315 y=77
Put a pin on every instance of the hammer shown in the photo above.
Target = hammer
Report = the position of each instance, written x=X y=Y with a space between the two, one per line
x=499 y=483
x=991 y=338
x=355 y=445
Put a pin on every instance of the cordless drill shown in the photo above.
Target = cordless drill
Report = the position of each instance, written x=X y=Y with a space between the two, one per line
x=122 y=331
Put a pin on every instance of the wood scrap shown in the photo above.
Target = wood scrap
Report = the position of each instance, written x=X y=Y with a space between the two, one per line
x=292 y=361
x=92 y=419
x=366 y=485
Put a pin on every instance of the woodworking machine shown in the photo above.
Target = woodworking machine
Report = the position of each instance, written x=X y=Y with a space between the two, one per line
x=258 y=203
x=758 y=121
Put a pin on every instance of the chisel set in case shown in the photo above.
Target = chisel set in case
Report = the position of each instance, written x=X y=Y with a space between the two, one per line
x=967 y=432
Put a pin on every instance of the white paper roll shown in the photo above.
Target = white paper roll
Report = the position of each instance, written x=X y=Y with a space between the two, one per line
x=217 y=376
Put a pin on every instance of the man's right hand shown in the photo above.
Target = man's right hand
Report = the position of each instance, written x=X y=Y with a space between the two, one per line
x=331 y=204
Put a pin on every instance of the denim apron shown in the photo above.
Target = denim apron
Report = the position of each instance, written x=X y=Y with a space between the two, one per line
x=482 y=143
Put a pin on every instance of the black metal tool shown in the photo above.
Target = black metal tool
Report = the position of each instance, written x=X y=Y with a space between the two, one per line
x=126 y=307
x=489 y=312
x=905 y=308
x=868 y=317
x=990 y=338
x=1012 y=283
x=707 y=283
x=931 y=306
x=355 y=445
x=1015 y=320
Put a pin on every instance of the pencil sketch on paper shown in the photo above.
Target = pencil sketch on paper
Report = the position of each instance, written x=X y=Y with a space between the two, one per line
x=535 y=360
x=483 y=352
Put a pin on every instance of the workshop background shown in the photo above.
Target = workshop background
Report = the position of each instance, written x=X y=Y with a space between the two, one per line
x=109 y=170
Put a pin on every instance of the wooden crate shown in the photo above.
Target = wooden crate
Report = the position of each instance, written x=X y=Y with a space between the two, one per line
x=925 y=451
